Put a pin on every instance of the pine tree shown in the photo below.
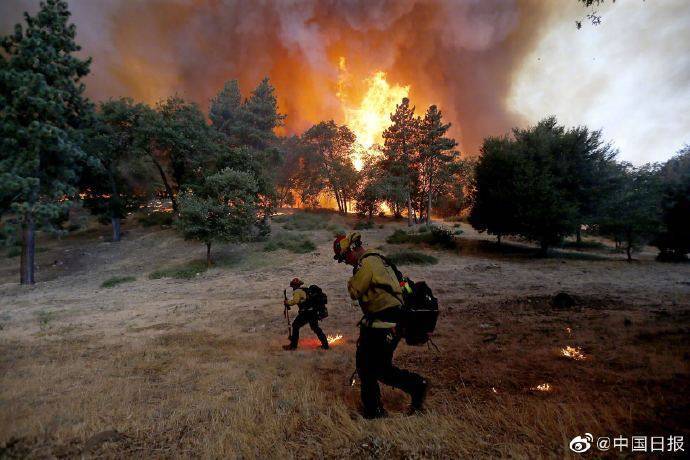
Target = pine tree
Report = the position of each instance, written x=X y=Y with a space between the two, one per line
x=224 y=111
x=400 y=150
x=43 y=109
x=436 y=155
x=107 y=183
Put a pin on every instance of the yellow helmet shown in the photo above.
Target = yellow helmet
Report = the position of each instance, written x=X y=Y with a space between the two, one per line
x=343 y=243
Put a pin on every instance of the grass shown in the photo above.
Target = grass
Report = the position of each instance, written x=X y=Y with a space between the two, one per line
x=412 y=258
x=115 y=280
x=293 y=242
x=185 y=271
x=160 y=218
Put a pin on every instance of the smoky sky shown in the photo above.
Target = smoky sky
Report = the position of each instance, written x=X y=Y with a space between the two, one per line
x=469 y=57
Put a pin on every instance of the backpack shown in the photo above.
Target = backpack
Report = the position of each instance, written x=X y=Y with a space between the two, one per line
x=316 y=301
x=419 y=308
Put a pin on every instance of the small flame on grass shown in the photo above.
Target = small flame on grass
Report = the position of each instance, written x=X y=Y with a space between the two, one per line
x=568 y=330
x=334 y=338
x=545 y=387
x=573 y=353
x=494 y=390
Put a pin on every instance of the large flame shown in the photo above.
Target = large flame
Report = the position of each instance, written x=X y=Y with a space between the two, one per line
x=371 y=115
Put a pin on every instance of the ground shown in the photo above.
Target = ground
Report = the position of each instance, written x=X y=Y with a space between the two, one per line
x=194 y=367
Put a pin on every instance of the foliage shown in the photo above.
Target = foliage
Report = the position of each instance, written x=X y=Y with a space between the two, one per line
x=303 y=221
x=363 y=225
x=116 y=280
x=222 y=209
x=43 y=111
x=673 y=240
x=436 y=236
x=631 y=214
x=412 y=258
x=113 y=174
x=543 y=183
x=293 y=242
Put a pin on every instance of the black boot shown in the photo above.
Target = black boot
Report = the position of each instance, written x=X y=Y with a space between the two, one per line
x=418 y=398
x=378 y=413
x=290 y=347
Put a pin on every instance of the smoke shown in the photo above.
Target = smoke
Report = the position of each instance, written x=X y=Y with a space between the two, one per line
x=460 y=55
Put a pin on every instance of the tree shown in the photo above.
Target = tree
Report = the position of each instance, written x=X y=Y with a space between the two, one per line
x=371 y=192
x=43 y=110
x=108 y=181
x=222 y=209
x=495 y=207
x=631 y=213
x=400 y=151
x=179 y=143
x=225 y=108
x=673 y=240
x=332 y=145
x=436 y=155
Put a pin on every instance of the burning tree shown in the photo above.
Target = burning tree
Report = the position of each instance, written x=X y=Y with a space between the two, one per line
x=43 y=110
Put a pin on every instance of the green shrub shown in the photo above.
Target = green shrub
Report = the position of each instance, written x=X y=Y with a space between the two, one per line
x=115 y=280
x=442 y=237
x=398 y=237
x=423 y=229
x=14 y=251
x=458 y=231
x=303 y=221
x=185 y=271
x=293 y=242
x=412 y=258
x=160 y=218
x=363 y=225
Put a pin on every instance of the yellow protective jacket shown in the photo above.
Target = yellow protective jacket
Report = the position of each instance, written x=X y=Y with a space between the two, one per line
x=298 y=296
x=374 y=284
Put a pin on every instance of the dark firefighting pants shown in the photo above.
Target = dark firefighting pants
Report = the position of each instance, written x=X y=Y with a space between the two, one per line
x=307 y=317
x=374 y=359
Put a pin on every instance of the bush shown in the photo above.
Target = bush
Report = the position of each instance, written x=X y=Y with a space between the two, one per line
x=160 y=218
x=364 y=225
x=303 y=221
x=582 y=245
x=185 y=271
x=293 y=242
x=412 y=258
x=115 y=280
x=437 y=236
x=458 y=231
x=14 y=251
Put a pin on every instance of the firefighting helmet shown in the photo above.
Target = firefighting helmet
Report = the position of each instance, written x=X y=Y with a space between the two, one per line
x=295 y=283
x=343 y=243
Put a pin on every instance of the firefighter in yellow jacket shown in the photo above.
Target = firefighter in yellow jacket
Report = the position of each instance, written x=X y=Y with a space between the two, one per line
x=375 y=286
x=306 y=315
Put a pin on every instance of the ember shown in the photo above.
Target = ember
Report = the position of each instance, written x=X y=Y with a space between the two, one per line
x=573 y=353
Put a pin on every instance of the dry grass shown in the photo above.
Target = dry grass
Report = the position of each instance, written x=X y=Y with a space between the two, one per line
x=159 y=368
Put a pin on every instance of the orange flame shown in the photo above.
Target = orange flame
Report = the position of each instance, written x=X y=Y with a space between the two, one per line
x=333 y=339
x=574 y=353
x=371 y=116
x=543 y=387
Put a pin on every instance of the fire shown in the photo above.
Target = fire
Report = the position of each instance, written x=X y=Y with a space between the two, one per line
x=544 y=387
x=573 y=353
x=332 y=339
x=371 y=116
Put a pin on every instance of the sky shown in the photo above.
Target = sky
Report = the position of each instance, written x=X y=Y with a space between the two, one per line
x=488 y=64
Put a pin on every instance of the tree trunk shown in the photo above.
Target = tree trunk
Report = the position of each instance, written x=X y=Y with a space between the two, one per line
x=498 y=237
x=116 y=228
x=428 y=205
x=168 y=188
x=26 y=265
x=409 y=210
x=208 y=254
x=578 y=234
x=628 y=251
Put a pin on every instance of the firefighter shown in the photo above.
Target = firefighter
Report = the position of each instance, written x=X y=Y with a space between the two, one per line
x=307 y=315
x=375 y=286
